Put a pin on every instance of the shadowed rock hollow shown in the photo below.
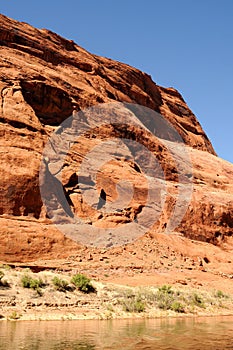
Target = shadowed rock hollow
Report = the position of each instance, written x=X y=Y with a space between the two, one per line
x=44 y=79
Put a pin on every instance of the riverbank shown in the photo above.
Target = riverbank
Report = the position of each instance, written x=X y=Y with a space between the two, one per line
x=129 y=281
x=52 y=296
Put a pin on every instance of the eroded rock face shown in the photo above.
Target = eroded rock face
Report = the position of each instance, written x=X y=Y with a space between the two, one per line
x=44 y=79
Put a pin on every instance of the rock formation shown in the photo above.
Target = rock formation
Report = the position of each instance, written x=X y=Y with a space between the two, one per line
x=44 y=79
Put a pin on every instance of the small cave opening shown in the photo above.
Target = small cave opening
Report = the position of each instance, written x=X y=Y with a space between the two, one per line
x=102 y=199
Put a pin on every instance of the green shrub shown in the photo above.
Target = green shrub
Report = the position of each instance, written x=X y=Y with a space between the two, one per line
x=3 y=283
x=83 y=283
x=165 y=297
x=197 y=300
x=6 y=267
x=132 y=302
x=32 y=283
x=168 y=299
x=60 y=284
x=134 y=305
x=14 y=316
x=110 y=308
x=2 y=274
x=177 y=307
x=219 y=294
x=165 y=301
x=166 y=289
x=26 y=281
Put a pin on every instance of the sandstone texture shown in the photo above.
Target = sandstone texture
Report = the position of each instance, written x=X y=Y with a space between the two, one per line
x=44 y=79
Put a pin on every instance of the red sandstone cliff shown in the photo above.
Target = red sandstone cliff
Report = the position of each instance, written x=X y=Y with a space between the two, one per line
x=43 y=79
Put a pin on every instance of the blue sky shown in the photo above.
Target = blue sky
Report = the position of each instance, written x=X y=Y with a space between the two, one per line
x=187 y=44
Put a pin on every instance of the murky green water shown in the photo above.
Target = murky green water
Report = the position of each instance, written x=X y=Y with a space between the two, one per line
x=184 y=333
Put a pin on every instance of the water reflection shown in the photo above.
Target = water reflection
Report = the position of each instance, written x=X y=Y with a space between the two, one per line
x=165 y=334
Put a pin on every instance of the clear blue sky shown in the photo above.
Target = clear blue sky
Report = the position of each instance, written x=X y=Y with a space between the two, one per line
x=187 y=44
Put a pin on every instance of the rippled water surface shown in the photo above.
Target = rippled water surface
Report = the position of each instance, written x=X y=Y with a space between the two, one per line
x=182 y=333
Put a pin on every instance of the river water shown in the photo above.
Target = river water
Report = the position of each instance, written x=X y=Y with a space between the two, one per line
x=213 y=333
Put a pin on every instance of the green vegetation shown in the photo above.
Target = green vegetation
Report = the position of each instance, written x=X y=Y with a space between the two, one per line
x=32 y=283
x=5 y=266
x=135 y=304
x=14 y=316
x=110 y=308
x=115 y=299
x=165 y=289
x=83 y=283
x=131 y=301
x=60 y=284
x=3 y=283
x=177 y=307
x=179 y=301
x=2 y=274
x=197 y=300
x=166 y=298
x=219 y=294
